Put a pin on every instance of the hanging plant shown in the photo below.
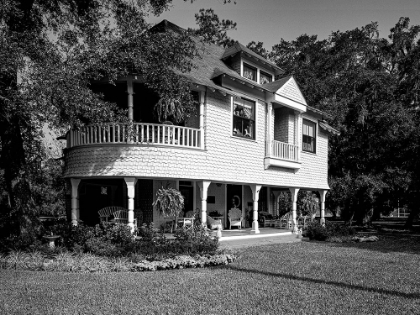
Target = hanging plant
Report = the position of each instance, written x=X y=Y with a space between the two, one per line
x=169 y=202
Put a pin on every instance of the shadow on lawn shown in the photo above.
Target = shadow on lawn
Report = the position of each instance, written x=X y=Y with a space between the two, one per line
x=388 y=243
x=334 y=283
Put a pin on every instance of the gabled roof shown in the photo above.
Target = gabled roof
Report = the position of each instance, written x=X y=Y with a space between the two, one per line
x=286 y=87
x=238 y=47
x=275 y=85
x=210 y=65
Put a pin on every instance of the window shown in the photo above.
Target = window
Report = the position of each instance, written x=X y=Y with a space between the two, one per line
x=244 y=118
x=309 y=136
x=250 y=72
x=265 y=77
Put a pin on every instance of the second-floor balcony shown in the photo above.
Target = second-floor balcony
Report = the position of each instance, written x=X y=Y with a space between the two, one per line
x=282 y=154
x=136 y=133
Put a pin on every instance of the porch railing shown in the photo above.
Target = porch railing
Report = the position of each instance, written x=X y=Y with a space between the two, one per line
x=137 y=133
x=282 y=150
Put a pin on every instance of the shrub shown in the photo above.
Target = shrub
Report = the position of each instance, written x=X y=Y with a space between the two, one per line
x=195 y=241
x=334 y=230
x=315 y=231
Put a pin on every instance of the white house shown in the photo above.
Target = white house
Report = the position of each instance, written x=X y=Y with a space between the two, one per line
x=253 y=137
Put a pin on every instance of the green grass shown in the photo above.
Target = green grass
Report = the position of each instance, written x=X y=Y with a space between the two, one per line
x=299 y=278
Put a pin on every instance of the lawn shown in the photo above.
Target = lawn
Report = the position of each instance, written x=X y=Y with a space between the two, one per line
x=298 y=278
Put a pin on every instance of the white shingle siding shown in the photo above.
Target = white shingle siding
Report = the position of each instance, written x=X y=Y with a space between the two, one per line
x=226 y=158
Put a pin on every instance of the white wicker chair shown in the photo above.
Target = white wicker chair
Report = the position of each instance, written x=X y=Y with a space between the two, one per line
x=186 y=222
x=285 y=222
x=121 y=216
x=235 y=218
x=213 y=223
x=107 y=212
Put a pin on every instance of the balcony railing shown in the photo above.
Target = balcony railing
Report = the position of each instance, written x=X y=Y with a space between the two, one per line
x=137 y=133
x=284 y=151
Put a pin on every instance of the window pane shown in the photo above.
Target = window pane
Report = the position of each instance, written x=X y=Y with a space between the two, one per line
x=250 y=72
x=265 y=77
x=308 y=136
x=243 y=118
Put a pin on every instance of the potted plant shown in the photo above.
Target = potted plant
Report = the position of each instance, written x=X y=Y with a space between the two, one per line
x=169 y=202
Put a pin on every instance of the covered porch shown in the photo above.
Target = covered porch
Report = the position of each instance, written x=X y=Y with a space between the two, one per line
x=209 y=199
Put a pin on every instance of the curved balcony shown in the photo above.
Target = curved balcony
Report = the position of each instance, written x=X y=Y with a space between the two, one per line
x=136 y=133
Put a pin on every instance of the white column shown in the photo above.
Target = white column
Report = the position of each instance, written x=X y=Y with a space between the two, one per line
x=202 y=98
x=204 y=186
x=131 y=185
x=130 y=93
x=294 y=193
x=322 y=193
x=255 y=196
x=75 y=215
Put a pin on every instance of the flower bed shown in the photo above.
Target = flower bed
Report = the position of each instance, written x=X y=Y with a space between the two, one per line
x=111 y=247
x=87 y=263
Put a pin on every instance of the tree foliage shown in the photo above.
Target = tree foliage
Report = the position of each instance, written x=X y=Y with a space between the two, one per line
x=52 y=51
x=212 y=29
x=369 y=86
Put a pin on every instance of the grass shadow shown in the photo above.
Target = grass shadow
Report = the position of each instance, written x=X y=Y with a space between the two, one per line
x=388 y=243
x=327 y=282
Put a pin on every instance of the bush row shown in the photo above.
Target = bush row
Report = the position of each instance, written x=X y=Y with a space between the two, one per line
x=69 y=262
x=331 y=230
x=116 y=240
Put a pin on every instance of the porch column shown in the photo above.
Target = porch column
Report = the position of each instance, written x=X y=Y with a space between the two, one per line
x=130 y=93
x=75 y=215
x=276 y=195
x=322 y=193
x=204 y=186
x=255 y=196
x=294 y=193
x=202 y=98
x=131 y=184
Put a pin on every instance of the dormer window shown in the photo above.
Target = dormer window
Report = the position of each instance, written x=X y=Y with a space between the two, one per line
x=265 y=77
x=250 y=72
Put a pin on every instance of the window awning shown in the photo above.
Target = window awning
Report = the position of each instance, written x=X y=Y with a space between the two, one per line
x=324 y=125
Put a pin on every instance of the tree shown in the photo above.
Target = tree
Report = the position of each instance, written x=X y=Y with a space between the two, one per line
x=212 y=29
x=50 y=52
x=361 y=80
x=258 y=48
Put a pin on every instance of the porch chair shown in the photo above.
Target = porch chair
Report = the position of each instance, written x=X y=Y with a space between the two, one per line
x=286 y=221
x=214 y=223
x=187 y=221
x=235 y=218
x=121 y=216
x=107 y=212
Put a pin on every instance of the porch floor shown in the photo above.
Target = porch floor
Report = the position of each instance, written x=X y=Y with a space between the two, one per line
x=246 y=233
x=266 y=233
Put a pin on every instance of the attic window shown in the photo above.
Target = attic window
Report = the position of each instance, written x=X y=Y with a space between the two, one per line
x=265 y=77
x=250 y=72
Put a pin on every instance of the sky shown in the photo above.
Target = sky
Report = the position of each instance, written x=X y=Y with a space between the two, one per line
x=268 y=21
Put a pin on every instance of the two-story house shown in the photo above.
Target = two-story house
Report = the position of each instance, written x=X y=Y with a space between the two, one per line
x=253 y=136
